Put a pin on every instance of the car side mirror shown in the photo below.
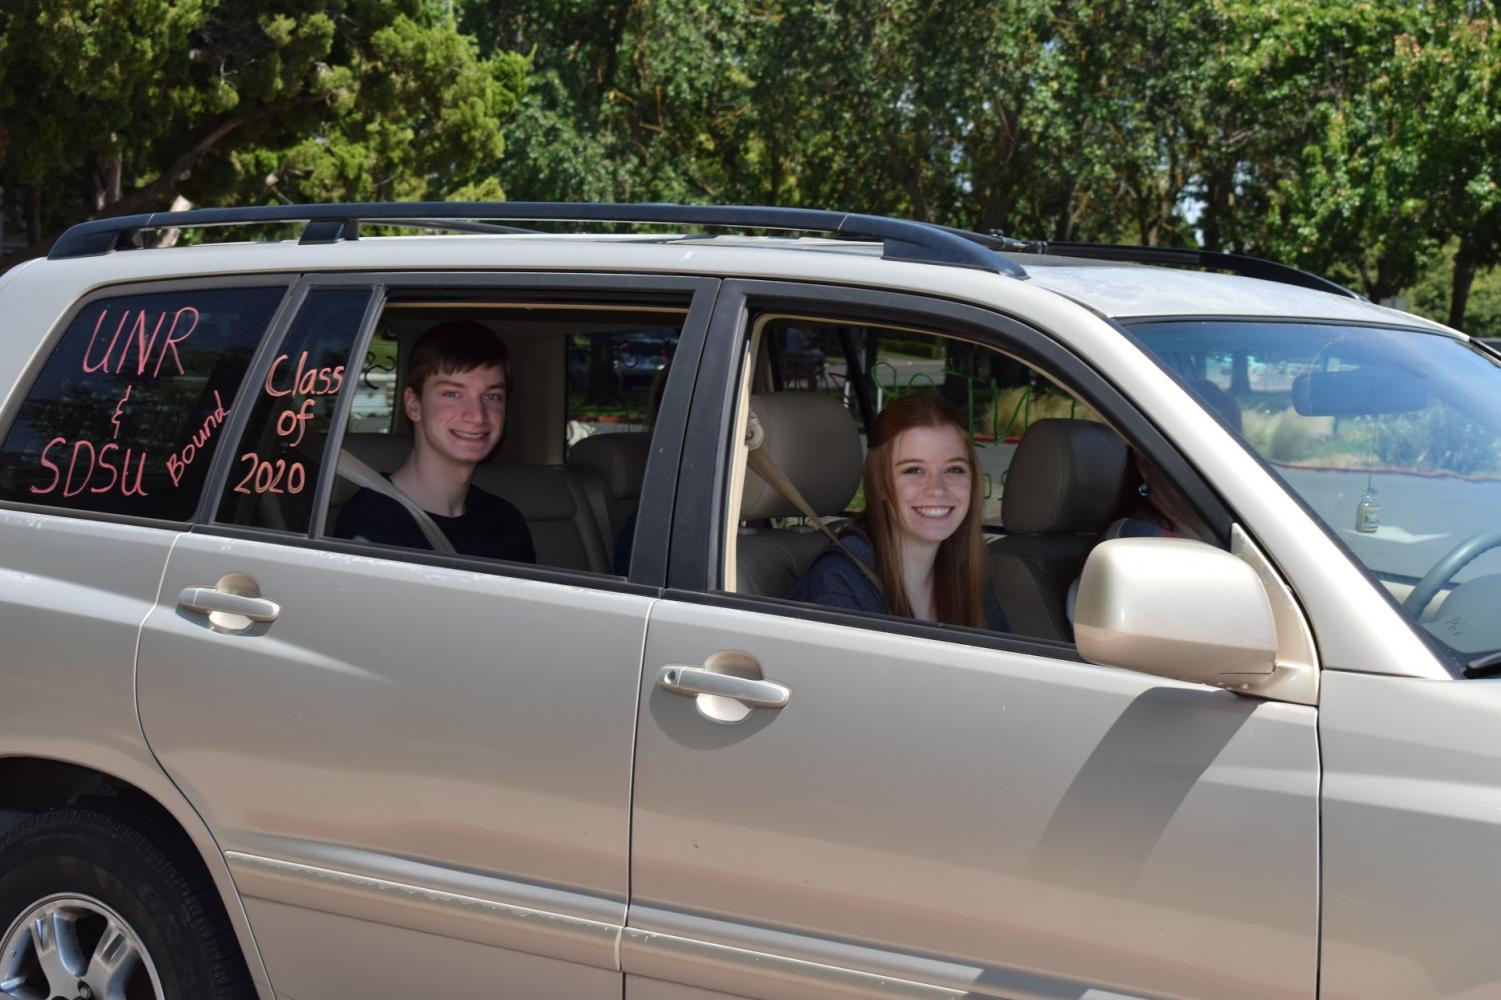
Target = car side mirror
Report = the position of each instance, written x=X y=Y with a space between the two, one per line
x=1175 y=608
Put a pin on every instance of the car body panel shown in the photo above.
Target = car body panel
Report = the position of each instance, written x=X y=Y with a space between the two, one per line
x=1411 y=821
x=73 y=594
x=920 y=810
x=1127 y=290
x=469 y=777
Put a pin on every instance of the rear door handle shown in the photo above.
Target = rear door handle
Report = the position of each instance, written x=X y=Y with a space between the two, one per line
x=692 y=681
x=212 y=600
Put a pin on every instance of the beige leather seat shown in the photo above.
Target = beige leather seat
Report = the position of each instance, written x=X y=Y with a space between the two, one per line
x=814 y=441
x=552 y=499
x=556 y=507
x=1062 y=490
x=612 y=467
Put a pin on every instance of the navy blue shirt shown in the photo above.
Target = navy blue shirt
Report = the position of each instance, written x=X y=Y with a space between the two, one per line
x=835 y=581
x=489 y=527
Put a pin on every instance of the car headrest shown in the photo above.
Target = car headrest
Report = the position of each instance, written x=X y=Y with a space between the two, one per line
x=813 y=439
x=1065 y=478
x=382 y=452
x=620 y=460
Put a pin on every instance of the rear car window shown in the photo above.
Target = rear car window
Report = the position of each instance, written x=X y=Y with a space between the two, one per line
x=280 y=455
x=128 y=411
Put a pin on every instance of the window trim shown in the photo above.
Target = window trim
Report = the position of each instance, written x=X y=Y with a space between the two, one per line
x=343 y=405
x=698 y=556
x=470 y=564
x=880 y=622
x=47 y=347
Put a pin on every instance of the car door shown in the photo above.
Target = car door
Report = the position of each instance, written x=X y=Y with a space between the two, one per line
x=418 y=766
x=943 y=813
x=94 y=493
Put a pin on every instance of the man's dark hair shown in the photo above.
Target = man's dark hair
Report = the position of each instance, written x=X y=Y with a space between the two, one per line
x=458 y=345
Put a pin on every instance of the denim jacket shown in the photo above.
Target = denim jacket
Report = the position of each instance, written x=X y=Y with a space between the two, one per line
x=835 y=581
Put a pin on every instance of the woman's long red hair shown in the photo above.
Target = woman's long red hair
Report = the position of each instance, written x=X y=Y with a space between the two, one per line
x=959 y=569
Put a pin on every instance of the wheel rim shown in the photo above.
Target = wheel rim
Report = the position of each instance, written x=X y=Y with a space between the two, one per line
x=70 y=947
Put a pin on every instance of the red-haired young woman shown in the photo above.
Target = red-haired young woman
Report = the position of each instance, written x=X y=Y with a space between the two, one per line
x=919 y=534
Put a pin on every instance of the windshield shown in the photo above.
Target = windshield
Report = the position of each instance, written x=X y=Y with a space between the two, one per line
x=1391 y=436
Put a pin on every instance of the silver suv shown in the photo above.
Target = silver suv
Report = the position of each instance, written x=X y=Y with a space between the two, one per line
x=243 y=756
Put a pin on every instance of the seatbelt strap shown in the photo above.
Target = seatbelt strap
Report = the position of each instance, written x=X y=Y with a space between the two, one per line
x=357 y=472
x=762 y=464
x=595 y=495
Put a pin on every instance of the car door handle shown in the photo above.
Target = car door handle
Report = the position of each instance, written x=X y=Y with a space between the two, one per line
x=691 y=681
x=211 y=600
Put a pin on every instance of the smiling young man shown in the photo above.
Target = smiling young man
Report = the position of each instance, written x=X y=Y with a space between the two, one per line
x=455 y=397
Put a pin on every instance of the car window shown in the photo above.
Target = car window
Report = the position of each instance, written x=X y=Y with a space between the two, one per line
x=280 y=454
x=125 y=415
x=612 y=381
x=562 y=480
x=1064 y=479
x=373 y=410
x=615 y=380
x=1391 y=437
x=998 y=396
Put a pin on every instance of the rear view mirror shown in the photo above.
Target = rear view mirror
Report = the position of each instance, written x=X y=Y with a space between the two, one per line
x=1175 y=608
x=1356 y=392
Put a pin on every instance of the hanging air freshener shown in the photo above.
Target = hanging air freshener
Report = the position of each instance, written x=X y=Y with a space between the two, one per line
x=1368 y=510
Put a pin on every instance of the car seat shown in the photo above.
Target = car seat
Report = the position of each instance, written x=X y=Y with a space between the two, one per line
x=1062 y=490
x=814 y=441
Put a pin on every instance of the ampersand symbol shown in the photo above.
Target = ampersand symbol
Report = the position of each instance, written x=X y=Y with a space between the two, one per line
x=118 y=407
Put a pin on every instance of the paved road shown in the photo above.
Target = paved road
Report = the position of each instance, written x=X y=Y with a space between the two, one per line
x=1422 y=517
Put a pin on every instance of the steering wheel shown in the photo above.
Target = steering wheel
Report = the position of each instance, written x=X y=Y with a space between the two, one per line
x=1445 y=569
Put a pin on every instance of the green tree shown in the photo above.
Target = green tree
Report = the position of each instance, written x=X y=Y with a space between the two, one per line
x=1462 y=152
x=118 y=106
x=1431 y=295
x=626 y=100
x=1347 y=168
x=1028 y=116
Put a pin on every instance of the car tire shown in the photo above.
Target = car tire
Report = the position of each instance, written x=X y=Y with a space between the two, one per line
x=127 y=900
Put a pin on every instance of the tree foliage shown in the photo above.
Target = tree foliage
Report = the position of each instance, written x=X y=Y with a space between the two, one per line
x=1358 y=138
x=1350 y=137
x=117 y=106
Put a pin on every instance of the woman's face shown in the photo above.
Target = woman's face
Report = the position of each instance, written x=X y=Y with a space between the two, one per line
x=930 y=478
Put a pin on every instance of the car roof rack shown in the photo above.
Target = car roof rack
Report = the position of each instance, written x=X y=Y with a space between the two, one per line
x=901 y=239
x=1234 y=263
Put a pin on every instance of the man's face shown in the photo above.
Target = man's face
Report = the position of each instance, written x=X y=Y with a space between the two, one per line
x=459 y=415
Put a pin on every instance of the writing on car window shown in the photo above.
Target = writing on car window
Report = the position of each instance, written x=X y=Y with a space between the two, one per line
x=125 y=414
x=281 y=452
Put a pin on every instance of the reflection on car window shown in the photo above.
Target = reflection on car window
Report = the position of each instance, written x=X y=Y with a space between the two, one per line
x=1392 y=437
x=615 y=379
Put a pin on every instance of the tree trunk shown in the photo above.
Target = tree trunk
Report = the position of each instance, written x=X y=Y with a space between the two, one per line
x=603 y=385
x=1240 y=374
x=1459 y=289
x=612 y=54
x=1063 y=225
x=114 y=165
x=147 y=198
x=1209 y=217
x=169 y=237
